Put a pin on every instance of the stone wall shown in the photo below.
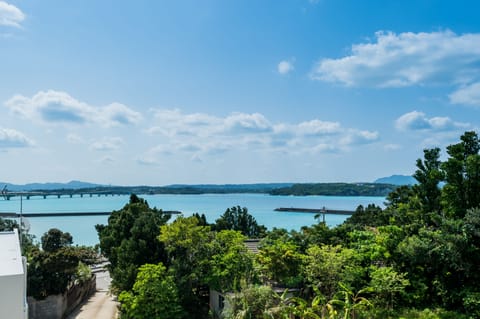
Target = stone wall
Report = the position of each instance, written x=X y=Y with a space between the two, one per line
x=59 y=306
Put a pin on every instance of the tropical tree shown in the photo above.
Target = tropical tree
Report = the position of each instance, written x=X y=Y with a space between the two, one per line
x=429 y=175
x=253 y=302
x=325 y=266
x=462 y=175
x=51 y=270
x=49 y=273
x=129 y=240
x=154 y=295
x=388 y=286
x=55 y=239
x=188 y=249
x=231 y=264
x=237 y=218
x=280 y=262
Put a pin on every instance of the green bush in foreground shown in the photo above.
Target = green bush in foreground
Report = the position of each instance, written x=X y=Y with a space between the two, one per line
x=154 y=295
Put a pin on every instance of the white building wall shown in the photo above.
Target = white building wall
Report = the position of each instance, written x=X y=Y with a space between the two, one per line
x=12 y=298
x=12 y=278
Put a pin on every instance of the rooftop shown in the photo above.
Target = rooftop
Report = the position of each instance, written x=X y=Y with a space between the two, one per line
x=10 y=254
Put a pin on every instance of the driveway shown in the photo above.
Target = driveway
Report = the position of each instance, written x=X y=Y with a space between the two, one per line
x=100 y=305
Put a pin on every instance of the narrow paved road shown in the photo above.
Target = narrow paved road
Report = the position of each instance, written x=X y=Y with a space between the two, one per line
x=100 y=305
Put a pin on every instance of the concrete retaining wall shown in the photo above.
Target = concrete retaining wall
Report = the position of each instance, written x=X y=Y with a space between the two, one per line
x=59 y=306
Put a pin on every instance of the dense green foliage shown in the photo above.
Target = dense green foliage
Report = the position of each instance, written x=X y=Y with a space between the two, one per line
x=130 y=240
x=199 y=258
x=336 y=189
x=55 y=239
x=416 y=258
x=154 y=295
x=237 y=218
x=54 y=267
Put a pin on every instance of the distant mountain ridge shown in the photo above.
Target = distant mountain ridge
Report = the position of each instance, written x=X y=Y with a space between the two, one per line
x=48 y=186
x=168 y=189
x=272 y=188
x=397 y=180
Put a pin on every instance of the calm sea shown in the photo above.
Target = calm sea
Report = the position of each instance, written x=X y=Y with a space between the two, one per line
x=261 y=206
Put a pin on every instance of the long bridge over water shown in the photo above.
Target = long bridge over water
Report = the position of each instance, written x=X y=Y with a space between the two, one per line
x=66 y=214
x=59 y=194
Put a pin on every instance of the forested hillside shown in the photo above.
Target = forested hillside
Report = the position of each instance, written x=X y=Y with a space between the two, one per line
x=336 y=189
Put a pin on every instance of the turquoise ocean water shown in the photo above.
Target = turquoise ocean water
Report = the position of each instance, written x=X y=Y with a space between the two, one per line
x=261 y=206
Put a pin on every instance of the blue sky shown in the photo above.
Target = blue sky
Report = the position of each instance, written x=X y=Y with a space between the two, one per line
x=161 y=92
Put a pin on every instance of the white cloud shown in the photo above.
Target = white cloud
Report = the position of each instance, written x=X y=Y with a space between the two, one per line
x=355 y=137
x=418 y=121
x=197 y=135
x=10 y=15
x=405 y=59
x=75 y=139
x=285 y=66
x=175 y=123
x=467 y=95
x=392 y=147
x=317 y=127
x=10 y=138
x=244 y=123
x=56 y=107
x=107 y=144
x=119 y=114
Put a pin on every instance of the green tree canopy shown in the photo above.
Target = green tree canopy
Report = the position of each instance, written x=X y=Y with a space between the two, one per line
x=462 y=174
x=154 y=295
x=51 y=270
x=280 y=262
x=188 y=248
x=429 y=175
x=55 y=239
x=129 y=240
x=231 y=264
x=237 y=218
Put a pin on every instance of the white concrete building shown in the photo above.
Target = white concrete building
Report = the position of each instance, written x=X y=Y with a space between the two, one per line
x=13 y=278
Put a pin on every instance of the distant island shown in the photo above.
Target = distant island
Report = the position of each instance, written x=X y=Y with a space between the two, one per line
x=397 y=180
x=299 y=189
x=336 y=189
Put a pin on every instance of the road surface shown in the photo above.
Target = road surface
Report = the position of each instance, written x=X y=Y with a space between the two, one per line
x=100 y=305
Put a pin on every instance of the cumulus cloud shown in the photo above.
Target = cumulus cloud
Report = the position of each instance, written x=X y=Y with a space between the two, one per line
x=10 y=15
x=418 y=121
x=175 y=123
x=285 y=66
x=56 y=107
x=107 y=144
x=75 y=139
x=355 y=137
x=467 y=95
x=10 y=138
x=199 y=134
x=405 y=59
x=317 y=127
x=247 y=123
